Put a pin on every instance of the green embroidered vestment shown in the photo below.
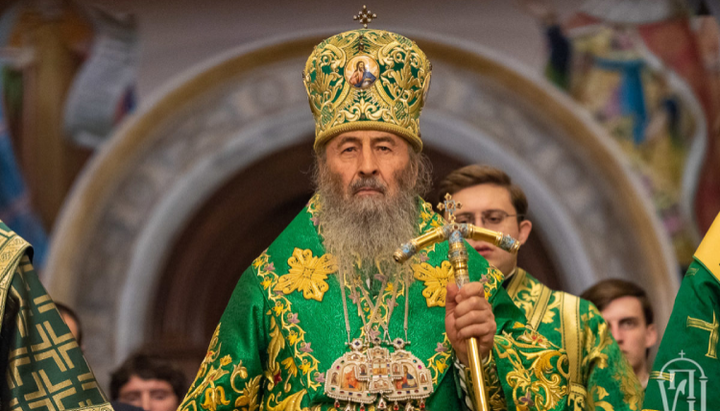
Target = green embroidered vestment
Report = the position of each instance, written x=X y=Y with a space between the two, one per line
x=44 y=367
x=686 y=372
x=600 y=376
x=284 y=326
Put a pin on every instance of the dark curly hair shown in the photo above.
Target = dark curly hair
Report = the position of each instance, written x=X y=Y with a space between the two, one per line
x=148 y=367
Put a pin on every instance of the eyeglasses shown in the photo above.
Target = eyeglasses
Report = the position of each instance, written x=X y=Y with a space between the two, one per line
x=489 y=218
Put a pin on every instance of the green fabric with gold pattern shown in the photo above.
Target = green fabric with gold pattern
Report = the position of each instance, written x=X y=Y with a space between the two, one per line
x=284 y=327
x=601 y=377
x=45 y=368
x=367 y=80
x=686 y=372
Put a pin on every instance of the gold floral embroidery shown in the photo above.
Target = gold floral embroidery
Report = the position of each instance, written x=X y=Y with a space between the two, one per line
x=314 y=207
x=213 y=397
x=291 y=403
x=288 y=322
x=277 y=343
x=495 y=395
x=527 y=295
x=435 y=280
x=307 y=274
x=595 y=399
x=538 y=385
x=208 y=376
x=263 y=259
x=595 y=344
x=492 y=280
x=553 y=309
x=428 y=217
x=438 y=363
x=249 y=398
x=633 y=395
x=426 y=214
x=212 y=353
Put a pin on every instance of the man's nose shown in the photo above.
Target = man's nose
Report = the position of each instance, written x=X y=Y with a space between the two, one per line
x=615 y=331
x=478 y=220
x=368 y=163
x=145 y=401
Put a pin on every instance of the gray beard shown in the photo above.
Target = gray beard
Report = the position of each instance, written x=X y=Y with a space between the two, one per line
x=363 y=232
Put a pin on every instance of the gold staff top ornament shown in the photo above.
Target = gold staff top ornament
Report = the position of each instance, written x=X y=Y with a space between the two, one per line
x=450 y=206
x=367 y=79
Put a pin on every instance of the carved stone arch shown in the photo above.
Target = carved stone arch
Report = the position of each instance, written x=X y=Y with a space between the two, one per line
x=246 y=111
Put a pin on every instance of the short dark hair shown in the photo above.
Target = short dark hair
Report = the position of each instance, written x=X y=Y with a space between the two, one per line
x=607 y=291
x=65 y=310
x=147 y=367
x=476 y=174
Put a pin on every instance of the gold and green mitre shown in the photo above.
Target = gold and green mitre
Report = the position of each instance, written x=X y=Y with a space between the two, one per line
x=367 y=79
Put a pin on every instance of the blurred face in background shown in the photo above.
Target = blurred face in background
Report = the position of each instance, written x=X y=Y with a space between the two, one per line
x=627 y=323
x=72 y=325
x=150 y=395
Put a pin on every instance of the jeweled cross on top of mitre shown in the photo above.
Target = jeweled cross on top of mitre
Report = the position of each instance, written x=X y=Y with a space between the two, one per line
x=365 y=16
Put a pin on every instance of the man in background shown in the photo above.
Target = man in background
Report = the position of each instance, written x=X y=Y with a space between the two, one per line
x=149 y=383
x=627 y=310
x=72 y=320
x=491 y=200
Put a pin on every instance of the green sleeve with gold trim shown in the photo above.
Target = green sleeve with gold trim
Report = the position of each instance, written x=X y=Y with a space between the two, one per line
x=231 y=374
x=686 y=372
x=45 y=368
x=598 y=375
x=610 y=382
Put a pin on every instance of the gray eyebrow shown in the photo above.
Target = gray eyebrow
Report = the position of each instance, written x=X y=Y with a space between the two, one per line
x=347 y=139
x=383 y=139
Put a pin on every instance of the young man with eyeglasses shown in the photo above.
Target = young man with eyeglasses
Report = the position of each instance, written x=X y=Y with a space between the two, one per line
x=490 y=199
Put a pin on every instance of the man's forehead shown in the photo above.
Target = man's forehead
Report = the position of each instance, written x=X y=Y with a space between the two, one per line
x=484 y=196
x=625 y=307
x=138 y=382
x=366 y=135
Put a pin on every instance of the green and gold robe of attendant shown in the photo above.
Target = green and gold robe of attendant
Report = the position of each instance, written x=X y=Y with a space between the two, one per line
x=284 y=326
x=44 y=367
x=600 y=376
x=686 y=372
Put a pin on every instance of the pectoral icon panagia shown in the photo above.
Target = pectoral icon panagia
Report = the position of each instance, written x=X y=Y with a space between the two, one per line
x=454 y=233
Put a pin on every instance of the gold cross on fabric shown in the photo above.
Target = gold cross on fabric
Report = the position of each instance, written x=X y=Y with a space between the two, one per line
x=714 y=329
x=365 y=16
x=450 y=206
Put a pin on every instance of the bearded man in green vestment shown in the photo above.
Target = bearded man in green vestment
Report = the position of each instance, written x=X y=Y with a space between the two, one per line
x=44 y=366
x=598 y=372
x=324 y=319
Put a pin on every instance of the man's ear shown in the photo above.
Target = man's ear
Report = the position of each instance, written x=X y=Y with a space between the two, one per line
x=524 y=231
x=651 y=336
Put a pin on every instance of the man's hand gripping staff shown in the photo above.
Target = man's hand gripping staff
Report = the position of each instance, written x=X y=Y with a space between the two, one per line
x=465 y=307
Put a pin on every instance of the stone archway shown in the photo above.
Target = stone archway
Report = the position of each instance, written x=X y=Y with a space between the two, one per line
x=137 y=199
